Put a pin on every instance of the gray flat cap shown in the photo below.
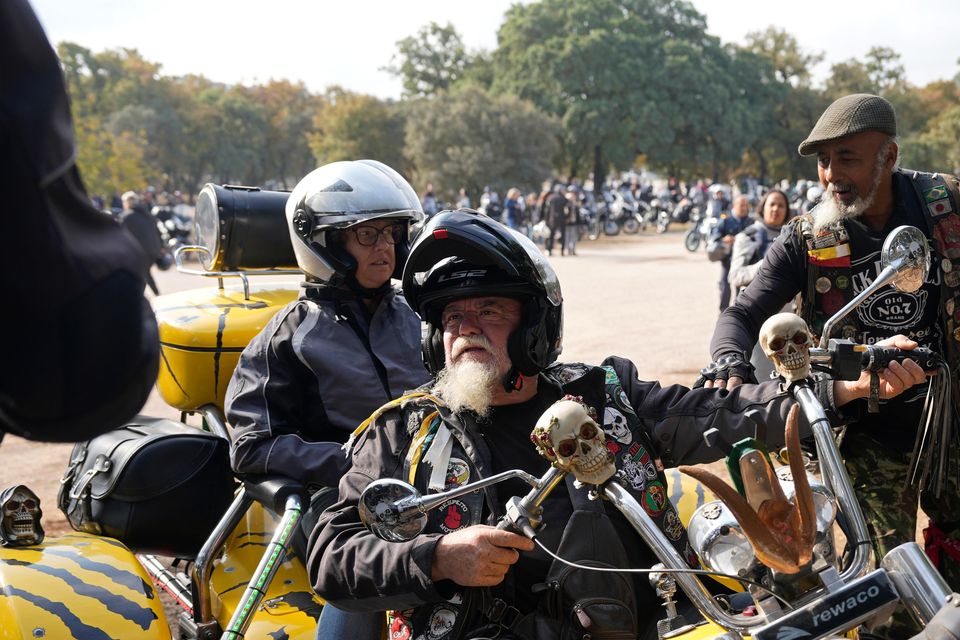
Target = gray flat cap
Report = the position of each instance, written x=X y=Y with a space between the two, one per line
x=849 y=115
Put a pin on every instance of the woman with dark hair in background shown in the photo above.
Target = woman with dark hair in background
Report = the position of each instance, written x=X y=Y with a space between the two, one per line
x=749 y=247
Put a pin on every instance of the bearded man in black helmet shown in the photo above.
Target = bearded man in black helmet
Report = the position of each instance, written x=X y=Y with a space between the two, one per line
x=830 y=255
x=493 y=312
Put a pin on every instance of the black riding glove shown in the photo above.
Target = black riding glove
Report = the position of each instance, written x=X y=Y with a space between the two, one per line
x=734 y=365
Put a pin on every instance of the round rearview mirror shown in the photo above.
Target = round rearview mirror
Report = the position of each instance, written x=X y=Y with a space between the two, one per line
x=388 y=508
x=906 y=252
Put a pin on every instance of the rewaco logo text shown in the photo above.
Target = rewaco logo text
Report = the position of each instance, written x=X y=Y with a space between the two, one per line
x=460 y=275
x=846 y=606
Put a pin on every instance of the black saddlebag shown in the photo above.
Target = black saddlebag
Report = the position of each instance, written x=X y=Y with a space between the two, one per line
x=157 y=485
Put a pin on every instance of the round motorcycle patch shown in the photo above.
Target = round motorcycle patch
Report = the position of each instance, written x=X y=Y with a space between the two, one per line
x=655 y=498
x=672 y=525
x=454 y=515
x=458 y=473
x=441 y=622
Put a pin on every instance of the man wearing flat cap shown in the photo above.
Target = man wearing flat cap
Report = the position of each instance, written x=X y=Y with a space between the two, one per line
x=830 y=255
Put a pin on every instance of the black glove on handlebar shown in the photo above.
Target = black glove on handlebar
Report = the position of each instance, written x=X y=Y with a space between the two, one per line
x=735 y=365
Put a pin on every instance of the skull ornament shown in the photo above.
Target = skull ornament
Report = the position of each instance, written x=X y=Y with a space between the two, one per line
x=20 y=525
x=567 y=434
x=786 y=340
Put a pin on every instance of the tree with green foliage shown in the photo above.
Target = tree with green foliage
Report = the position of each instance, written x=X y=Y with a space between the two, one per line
x=350 y=126
x=795 y=109
x=631 y=77
x=433 y=60
x=470 y=138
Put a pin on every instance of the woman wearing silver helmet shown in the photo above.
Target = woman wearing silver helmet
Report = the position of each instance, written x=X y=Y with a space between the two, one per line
x=349 y=344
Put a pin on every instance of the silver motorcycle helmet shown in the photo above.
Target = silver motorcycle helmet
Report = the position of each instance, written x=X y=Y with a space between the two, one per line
x=337 y=196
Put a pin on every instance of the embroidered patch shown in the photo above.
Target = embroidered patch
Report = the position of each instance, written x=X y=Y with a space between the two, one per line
x=654 y=498
x=612 y=446
x=940 y=207
x=615 y=425
x=399 y=625
x=458 y=473
x=634 y=472
x=672 y=525
x=441 y=622
x=454 y=515
x=640 y=457
x=935 y=193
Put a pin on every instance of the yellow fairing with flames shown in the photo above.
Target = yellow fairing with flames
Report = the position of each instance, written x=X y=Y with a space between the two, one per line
x=77 y=586
x=203 y=332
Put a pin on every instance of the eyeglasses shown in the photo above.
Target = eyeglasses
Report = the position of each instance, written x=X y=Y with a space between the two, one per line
x=490 y=316
x=367 y=235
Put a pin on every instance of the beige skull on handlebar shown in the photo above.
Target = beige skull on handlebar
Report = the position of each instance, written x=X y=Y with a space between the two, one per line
x=785 y=339
x=567 y=434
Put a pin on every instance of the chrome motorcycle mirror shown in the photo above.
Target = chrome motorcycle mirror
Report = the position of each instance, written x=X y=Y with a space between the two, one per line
x=396 y=512
x=904 y=260
x=384 y=510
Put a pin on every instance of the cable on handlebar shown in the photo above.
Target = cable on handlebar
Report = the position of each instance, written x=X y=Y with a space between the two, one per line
x=700 y=572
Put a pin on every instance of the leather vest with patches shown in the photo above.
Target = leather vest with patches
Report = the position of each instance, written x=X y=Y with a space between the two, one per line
x=829 y=282
x=445 y=452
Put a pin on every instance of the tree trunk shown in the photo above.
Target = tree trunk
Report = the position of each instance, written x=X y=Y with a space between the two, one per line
x=762 y=162
x=599 y=174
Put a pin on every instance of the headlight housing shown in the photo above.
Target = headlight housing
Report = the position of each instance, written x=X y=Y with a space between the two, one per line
x=243 y=228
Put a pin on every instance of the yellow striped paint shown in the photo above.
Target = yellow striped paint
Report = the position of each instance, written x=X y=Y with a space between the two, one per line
x=203 y=331
x=77 y=586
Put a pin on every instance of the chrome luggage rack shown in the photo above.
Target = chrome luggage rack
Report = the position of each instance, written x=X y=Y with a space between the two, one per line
x=178 y=257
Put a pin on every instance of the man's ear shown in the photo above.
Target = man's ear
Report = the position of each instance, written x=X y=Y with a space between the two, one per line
x=893 y=152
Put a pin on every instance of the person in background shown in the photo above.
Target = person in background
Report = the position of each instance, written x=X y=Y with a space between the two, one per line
x=557 y=210
x=463 y=200
x=749 y=247
x=726 y=230
x=429 y=201
x=137 y=220
x=348 y=345
x=571 y=227
x=513 y=207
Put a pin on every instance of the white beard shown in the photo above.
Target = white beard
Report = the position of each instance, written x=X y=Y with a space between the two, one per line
x=468 y=385
x=829 y=210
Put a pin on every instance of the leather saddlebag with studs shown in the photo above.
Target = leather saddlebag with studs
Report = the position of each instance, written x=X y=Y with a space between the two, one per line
x=157 y=485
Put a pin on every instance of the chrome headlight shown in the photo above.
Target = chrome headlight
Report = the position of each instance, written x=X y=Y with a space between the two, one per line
x=243 y=228
x=718 y=540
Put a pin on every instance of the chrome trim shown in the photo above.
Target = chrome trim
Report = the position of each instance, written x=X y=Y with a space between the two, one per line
x=671 y=558
x=923 y=591
x=835 y=477
x=220 y=275
x=203 y=567
x=273 y=557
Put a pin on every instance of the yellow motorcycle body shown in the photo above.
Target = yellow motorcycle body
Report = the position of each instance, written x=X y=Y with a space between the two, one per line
x=77 y=586
x=289 y=603
x=203 y=332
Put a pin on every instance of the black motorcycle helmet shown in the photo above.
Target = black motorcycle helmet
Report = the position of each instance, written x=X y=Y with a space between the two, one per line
x=460 y=254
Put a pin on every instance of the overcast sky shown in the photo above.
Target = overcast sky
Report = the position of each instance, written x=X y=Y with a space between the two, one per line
x=346 y=42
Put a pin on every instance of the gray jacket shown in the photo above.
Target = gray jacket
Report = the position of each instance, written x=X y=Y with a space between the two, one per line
x=315 y=372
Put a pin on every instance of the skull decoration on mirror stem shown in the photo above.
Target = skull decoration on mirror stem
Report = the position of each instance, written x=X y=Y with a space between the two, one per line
x=786 y=340
x=567 y=434
x=20 y=526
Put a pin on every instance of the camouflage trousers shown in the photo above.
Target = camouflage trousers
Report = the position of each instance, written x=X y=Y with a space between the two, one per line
x=889 y=506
